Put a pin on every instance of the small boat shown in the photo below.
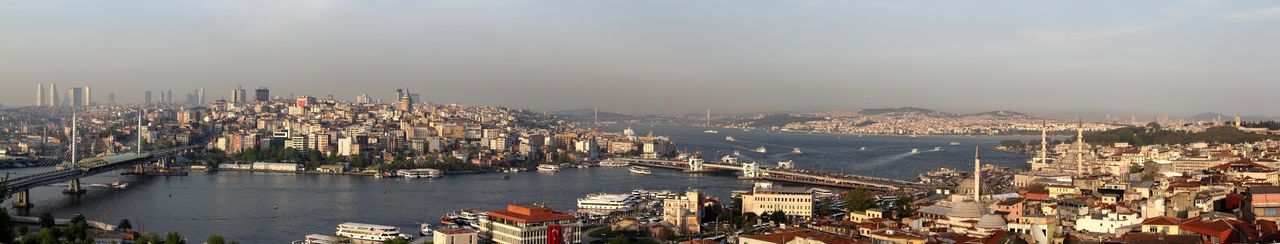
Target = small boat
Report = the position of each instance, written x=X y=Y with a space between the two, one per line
x=730 y=138
x=640 y=170
x=425 y=229
x=862 y=149
x=119 y=185
x=796 y=150
x=762 y=149
x=548 y=168
x=955 y=143
x=710 y=131
x=937 y=149
x=506 y=177
x=915 y=150
x=736 y=152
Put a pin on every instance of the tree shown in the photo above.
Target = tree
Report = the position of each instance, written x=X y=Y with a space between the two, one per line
x=6 y=227
x=215 y=239
x=174 y=238
x=124 y=225
x=778 y=217
x=748 y=219
x=859 y=200
x=46 y=220
x=902 y=206
x=397 y=240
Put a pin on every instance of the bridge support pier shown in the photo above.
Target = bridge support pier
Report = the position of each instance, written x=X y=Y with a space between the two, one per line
x=73 y=187
x=23 y=200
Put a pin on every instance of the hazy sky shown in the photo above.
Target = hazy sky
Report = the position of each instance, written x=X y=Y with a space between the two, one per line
x=665 y=55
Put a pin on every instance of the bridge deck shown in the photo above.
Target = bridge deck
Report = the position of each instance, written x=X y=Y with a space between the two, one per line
x=791 y=175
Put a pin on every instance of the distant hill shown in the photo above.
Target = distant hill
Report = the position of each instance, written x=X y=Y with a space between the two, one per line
x=1210 y=116
x=906 y=110
x=588 y=114
x=1000 y=114
x=779 y=120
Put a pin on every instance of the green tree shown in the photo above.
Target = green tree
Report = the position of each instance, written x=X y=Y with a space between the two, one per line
x=124 y=225
x=46 y=220
x=215 y=239
x=778 y=217
x=902 y=206
x=6 y=227
x=174 y=238
x=397 y=240
x=859 y=200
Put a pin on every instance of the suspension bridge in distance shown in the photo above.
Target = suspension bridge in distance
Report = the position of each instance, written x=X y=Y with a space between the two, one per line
x=754 y=171
x=72 y=172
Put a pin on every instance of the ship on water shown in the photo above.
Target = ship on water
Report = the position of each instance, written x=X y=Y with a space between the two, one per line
x=640 y=170
x=761 y=149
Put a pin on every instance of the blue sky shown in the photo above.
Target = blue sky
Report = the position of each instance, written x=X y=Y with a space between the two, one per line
x=1059 y=57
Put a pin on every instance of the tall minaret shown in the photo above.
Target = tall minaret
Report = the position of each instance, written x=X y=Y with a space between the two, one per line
x=1238 y=120
x=977 y=175
x=1080 y=147
x=1044 y=141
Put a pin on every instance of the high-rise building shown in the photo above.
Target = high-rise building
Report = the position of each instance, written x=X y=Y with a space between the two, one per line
x=39 y=95
x=75 y=95
x=168 y=96
x=262 y=94
x=53 y=95
x=88 y=97
x=237 y=95
x=147 y=97
x=111 y=98
x=200 y=96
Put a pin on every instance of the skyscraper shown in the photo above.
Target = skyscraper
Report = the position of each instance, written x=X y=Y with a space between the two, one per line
x=237 y=95
x=111 y=98
x=147 y=97
x=168 y=96
x=200 y=96
x=39 y=95
x=75 y=96
x=262 y=94
x=53 y=95
x=88 y=97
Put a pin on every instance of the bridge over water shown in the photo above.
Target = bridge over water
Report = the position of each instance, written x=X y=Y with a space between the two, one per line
x=755 y=171
x=71 y=172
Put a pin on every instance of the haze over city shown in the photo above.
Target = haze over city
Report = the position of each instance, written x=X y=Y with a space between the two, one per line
x=1150 y=57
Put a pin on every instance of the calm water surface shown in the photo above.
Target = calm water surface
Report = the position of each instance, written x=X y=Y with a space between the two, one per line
x=277 y=208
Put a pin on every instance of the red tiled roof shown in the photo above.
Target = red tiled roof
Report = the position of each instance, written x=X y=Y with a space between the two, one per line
x=529 y=214
x=1162 y=220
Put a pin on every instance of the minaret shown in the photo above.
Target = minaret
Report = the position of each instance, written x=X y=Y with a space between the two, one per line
x=1238 y=120
x=1044 y=141
x=977 y=175
x=1080 y=147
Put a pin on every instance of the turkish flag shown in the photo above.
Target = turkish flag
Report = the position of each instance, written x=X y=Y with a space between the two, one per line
x=554 y=235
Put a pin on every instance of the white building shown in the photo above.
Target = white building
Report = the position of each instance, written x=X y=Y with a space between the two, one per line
x=1108 y=222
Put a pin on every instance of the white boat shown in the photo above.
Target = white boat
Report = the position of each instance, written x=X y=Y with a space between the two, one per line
x=730 y=138
x=862 y=149
x=368 y=232
x=640 y=170
x=119 y=185
x=710 y=131
x=915 y=150
x=613 y=163
x=762 y=149
x=937 y=149
x=548 y=168
x=602 y=203
x=425 y=229
x=955 y=143
x=321 y=239
x=796 y=150
x=419 y=173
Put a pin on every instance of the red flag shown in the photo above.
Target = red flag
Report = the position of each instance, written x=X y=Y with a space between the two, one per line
x=554 y=235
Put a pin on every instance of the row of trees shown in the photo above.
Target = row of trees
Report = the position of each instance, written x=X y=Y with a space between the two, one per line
x=1153 y=134
x=862 y=200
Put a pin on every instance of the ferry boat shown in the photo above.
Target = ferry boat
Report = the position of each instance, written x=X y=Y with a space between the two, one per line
x=548 y=168
x=710 y=131
x=730 y=138
x=119 y=185
x=424 y=229
x=935 y=149
x=418 y=173
x=321 y=239
x=915 y=150
x=955 y=143
x=369 y=232
x=602 y=203
x=796 y=150
x=761 y=149
x=640 y=170
x=613 y=163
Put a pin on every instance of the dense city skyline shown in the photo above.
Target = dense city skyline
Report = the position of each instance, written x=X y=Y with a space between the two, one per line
x=1181 y=58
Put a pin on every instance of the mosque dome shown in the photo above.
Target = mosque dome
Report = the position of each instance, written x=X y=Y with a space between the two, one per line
x=991 y=221
x=966 y=209
x=965 y=187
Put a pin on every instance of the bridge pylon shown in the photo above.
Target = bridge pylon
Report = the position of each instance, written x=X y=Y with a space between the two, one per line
x=23 y=200
x=73 y=187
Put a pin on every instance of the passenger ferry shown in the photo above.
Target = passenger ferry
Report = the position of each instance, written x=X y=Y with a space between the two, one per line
x=604 y=203
x=548 y=168
x=761 y=149
x=710 y=131
x=640 y=170
x=955 y=143
x=613 y=163
x=418 y=173
x=368 y=232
